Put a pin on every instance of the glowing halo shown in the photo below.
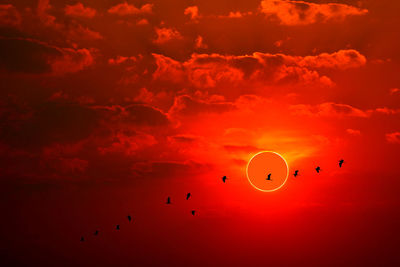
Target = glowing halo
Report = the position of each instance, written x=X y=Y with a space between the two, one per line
x=262 y=163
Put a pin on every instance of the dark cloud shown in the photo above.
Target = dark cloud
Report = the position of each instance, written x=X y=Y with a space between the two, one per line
x=27 y=56
x=34 y=57
x=79 y=10
x=9 y=16
x=145 y=115
x=217 y=70
x=186 y=105
x=47 y=123
x=329 y=109
x=125 y=9
x=302 y=13
x=393 y=138
x=168 y=169
x=185 y=138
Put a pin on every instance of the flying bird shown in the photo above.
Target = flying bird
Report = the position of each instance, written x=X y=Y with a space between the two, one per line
x=117 y=227
x=296 y=172
x=96 y=232
x=224 y=179
x=129 y=217
x=82 y=239
x=341 y=163
x=193 y=212
x=168 y=200
x=188 y=196
x=318 y=169
x=269 y=177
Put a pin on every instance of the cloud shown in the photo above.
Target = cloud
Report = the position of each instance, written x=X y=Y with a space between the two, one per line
x=128 y=144
x=235 y=15
x=387 y=111
x=121 y=59
x=145 y=115
x=211 y=70
x=47 y=19
x=342 y=59
x=328 y=109
x=80 y=32
x=9 y=15
x=184 y=138
x=199 y=43
x=303 y=13
x=31 y=56
x=393 y=138
x=295 y=74
x=47 y=123
x=170 y=168
x=193 y=12
x=72 y=60
x=186 y=105
x=79 y=10
x=142 y=22
x=45 y=26
x=394 y=91
x=72 y=165
x=27 y=56
x=125 y=9
x=165 y=35
x=133 y=115
x=353 y=132
x=168 y=69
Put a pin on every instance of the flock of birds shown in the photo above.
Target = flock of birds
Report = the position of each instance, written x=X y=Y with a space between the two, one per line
x=129 y=217
x=188 y=195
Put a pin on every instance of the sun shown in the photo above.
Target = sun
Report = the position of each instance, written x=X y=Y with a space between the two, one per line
x=267 y=171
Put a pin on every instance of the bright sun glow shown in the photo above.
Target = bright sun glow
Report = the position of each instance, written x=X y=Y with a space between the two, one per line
x=267 y=171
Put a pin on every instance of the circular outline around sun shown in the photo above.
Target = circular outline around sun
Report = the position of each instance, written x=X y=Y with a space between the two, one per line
x=270 y=190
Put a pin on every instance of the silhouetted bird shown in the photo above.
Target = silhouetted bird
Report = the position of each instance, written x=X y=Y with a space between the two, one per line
x=129 y=217
x=318 y=169
x=269 y=177
x=193 y=212
x=224 y=179
x=82 y=239
x=341 y=163
x=296 y=172
x=117 y=228
x=96 y=232
x=168 y=200
x=188 y=196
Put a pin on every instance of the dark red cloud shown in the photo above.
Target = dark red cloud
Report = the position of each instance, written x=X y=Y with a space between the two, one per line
x=393 y=137
x=211 y=70
x=124 y=9
x=192 y=12
x=302 y=13
x=108 y=107
x=79 y=10
x=31 y=56
x=185 y=105
x=145 y=115
x=9 y=16
x=353 y=132
x=165 y=35
x=47 y=19
x=47 y=123
x=329 y=110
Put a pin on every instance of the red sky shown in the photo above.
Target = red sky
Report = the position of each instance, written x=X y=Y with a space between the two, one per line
x=108 y=107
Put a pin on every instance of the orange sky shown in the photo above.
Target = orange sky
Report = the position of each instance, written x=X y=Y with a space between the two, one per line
x=108 y=107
